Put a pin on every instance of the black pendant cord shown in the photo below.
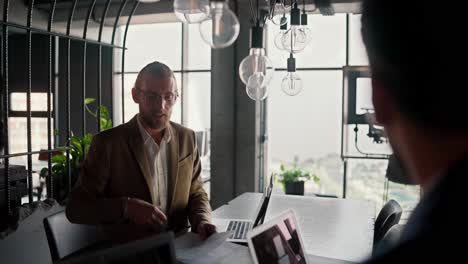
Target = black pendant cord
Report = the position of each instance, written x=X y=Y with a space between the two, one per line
x=253 y=17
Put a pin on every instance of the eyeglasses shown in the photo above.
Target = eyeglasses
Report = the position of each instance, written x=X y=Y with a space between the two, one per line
x=151 y=98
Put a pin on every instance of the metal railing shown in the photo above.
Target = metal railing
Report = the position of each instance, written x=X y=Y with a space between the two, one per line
x=51 y=95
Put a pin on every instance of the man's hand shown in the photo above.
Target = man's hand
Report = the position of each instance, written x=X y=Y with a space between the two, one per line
x=205 y=230
x=141 y=212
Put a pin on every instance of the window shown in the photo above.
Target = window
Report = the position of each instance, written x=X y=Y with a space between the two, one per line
x=366 y=181
x=327 y=48
x=151 y=42
x=17 y=124
x=183 y=50
x=357 y=54
x=305 y=130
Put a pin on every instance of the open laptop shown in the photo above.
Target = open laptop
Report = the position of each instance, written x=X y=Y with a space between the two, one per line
x=278 y=241
x=240 y=227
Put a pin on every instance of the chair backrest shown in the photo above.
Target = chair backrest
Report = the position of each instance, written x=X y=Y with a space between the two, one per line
x=65 y=238
x=201 y=142
x=158 y=249
x=393 y=235
x=390 y=238
x=389 y=216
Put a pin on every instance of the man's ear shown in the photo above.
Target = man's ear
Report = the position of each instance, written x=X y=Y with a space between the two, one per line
x=382 y=102
x=135 y=97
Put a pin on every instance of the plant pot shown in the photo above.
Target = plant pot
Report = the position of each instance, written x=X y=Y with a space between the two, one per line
x=295 y=188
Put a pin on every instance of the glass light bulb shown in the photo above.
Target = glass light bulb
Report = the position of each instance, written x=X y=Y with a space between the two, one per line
x=221 y=28
x=279 y=20
x=308 y=33
x=191 y=11
x=291 y=84
x=279 y=40
x=256 y=62
x=255 y=88
x=279 y=14
x=294 y=39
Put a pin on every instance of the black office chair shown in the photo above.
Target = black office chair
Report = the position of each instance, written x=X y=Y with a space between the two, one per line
x=158 y=249
x=65 y=238
x=389 y=216
x=390 y=239
x=393 y=235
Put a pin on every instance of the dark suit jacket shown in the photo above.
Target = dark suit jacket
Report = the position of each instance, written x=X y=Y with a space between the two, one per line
x=116 y=167
x=437 y=230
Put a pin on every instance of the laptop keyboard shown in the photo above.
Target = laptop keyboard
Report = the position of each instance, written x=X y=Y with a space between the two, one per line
x=239 y=229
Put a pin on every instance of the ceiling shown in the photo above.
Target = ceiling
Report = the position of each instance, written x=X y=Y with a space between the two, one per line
x=153 y=12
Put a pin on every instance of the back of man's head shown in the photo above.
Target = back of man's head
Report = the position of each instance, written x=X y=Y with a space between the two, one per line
x=415 y=52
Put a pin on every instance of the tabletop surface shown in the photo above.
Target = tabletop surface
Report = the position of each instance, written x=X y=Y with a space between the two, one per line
x=333 y=228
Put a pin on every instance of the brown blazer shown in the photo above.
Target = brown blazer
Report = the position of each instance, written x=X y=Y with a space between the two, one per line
x=115 y=167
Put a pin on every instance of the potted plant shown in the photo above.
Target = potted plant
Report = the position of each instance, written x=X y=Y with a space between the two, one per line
x=79 y=147
x=293 y=179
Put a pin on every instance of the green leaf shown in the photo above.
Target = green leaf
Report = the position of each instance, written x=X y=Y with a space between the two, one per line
x=59 y=159
x=294 y=174
x=104 y=112
x=76 y=143
x=44 y=172
x=106 y=121
x=87 y=142
x=107 y=125
x=89 y=100
x=87 y=139
x=58 y=170
x=316 y=179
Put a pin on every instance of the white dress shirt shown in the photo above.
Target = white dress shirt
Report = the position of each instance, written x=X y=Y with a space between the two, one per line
x=157 y=160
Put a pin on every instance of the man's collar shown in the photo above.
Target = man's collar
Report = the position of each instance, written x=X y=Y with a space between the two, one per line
x=146 y=136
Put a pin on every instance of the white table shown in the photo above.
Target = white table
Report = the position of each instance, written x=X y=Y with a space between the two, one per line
x=332 y=228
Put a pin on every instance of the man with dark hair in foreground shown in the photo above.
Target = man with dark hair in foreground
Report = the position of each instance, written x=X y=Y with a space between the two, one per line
x=415 y=52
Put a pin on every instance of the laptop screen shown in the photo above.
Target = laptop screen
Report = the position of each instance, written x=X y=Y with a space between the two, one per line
x=261 y=212
x=277 y=241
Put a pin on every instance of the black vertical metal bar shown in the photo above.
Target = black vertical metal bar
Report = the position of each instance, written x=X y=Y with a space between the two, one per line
x=1 y=60
x=6 y=106
x=28 y=101
x=182 y=72
x=135 y=5
x=347 y=39
x=67 y=94
x=101 y=26
x=114 y=30
x=85 y=45
x=345 y=173
x=117 y=18
x=50 y=79
x=345 y=161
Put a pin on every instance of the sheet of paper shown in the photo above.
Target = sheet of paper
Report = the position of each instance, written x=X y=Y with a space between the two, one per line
x=190 y=249
x=333 y=228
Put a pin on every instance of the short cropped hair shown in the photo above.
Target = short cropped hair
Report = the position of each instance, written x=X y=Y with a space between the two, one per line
x=156 y=69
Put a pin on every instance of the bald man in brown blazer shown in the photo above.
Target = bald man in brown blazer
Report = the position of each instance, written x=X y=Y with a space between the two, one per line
x=143 y=177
